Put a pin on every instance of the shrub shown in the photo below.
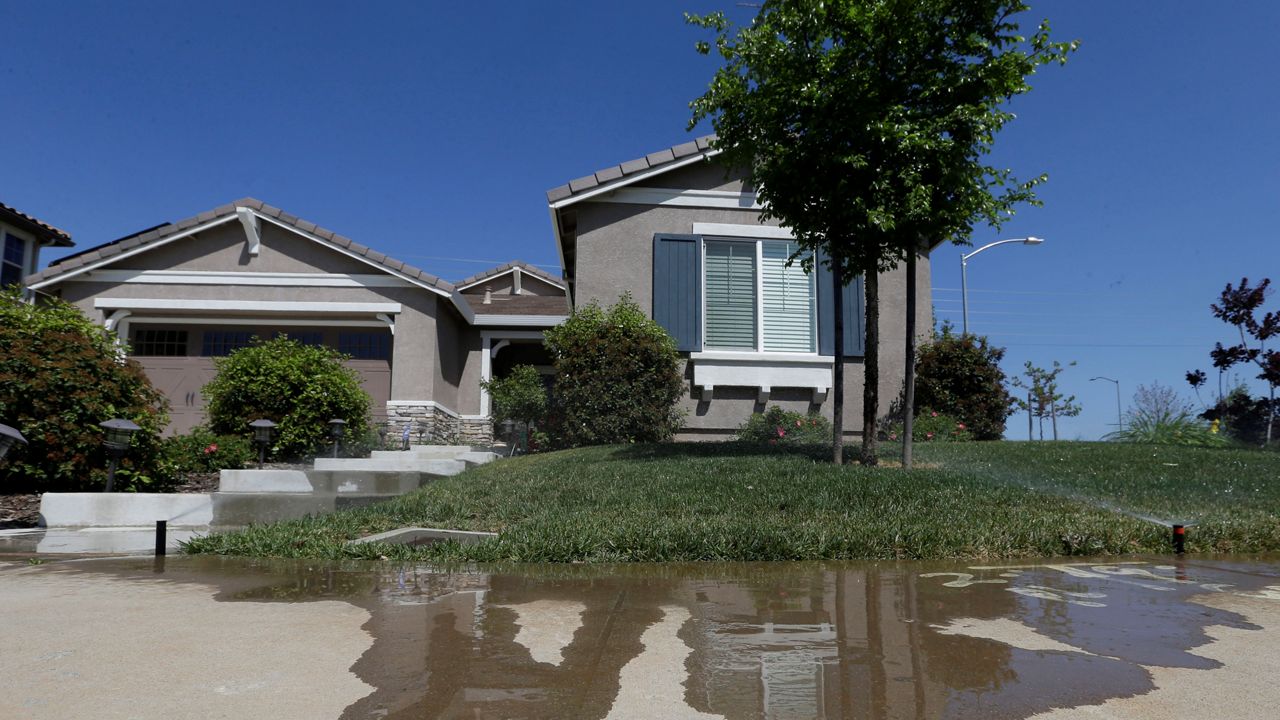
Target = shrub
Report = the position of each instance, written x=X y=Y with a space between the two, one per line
x=201 y=451
x=960 y=376
x=519 y=396
x=1242 y=417
x=61 y=375
x=617 y=377
x=933 y=426
x=1160 y=417
x=300 y=387
x=776 y=426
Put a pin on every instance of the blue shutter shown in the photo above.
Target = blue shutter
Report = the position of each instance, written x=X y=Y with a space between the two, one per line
x=854 y=316
x=677 y=288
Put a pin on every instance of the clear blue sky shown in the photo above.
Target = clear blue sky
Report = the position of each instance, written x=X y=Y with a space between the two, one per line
x=432 y=131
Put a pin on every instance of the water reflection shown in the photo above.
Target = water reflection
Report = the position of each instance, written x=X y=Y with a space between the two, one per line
x=784 y=640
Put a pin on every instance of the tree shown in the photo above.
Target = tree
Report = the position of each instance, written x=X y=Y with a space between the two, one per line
x=520 y=396
x=960 y=375
x=1241 y=307
x=1043 y=399
x=300 y=387
x=1160 y=416
x=617 y=377
x=60 y=376
x=863 y=127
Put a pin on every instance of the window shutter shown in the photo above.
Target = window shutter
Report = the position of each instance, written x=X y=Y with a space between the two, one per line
x=788 y=300
x=852 y=299
x=731 y=295
x=677 y=288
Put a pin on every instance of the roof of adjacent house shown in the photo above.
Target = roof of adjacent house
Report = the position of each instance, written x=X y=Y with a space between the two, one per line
x=508 y=267
x=653 y=162
x=105 y=252
x=43 y=230
x=551 y=305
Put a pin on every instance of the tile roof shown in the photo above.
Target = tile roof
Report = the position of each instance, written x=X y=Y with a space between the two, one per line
x=116 y=247
x=501 y=269
x=60 y=238
x=631 y=167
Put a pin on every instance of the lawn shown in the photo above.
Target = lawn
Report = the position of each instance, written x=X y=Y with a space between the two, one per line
x=735 y=502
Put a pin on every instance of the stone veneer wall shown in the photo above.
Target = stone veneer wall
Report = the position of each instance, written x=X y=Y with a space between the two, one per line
x=432 y=425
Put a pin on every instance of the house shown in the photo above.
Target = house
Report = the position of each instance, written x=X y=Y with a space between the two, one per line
x=684 y=237
x=187 y=292
x=23 y=236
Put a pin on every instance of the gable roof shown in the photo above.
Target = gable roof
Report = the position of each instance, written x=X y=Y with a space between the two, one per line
x=500 y=270
x=115 y=250
x=44 y=232
x=626 y=173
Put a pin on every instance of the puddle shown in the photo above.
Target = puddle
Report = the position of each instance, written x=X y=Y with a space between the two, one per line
x=772 y=640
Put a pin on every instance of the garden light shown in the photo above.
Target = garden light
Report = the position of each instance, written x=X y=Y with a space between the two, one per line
x=262 y=431
x=8 y=438
x=336 y=428
x=118 y=434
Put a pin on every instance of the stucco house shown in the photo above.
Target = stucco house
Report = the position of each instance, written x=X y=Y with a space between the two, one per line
x=186 y=292
x=684 y=237
x=22 y=237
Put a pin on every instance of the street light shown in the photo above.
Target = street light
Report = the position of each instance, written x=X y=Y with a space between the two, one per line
x=336 y=427
x=262 y=429
x=119 y=433
x=1119 y=413
x=8 y=438
x=964 y=265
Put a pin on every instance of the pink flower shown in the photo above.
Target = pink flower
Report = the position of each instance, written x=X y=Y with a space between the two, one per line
x=928 y=436
x=781 y=432
x=933 y=414
x=799 y=423
x=213 y=448
x=893 y=436
x=960 y=426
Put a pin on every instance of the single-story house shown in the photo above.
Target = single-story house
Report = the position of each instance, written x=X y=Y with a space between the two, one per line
x=23 y=236
x=684 y=237
x=184 y=293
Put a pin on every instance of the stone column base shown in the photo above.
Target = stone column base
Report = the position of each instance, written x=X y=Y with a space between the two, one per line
x=430 y=424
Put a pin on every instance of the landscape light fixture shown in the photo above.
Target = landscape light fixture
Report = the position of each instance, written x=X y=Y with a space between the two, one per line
x=118 y=434
x=964 y=266
x=262 y=431
x=1119 y=412
x=8 y=438
x=336 y=428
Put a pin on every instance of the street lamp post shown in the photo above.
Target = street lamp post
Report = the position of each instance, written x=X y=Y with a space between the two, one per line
x=964 y=266
x=1119 y=412
x=119 y=432
x=262 y=429
x=8 y=438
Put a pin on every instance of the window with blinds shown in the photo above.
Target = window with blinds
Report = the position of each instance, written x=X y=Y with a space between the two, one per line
x=788 y=302
x=730 y=295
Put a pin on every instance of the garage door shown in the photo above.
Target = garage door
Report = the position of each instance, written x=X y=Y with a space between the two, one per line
x=180 y=379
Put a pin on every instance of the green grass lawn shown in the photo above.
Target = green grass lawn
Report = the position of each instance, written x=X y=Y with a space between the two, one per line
x=735 y=502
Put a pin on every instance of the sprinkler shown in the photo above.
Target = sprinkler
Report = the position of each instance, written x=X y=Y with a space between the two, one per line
x=1179 y=539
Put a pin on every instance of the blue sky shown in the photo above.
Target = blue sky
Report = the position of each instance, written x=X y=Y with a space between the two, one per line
x=431 y=131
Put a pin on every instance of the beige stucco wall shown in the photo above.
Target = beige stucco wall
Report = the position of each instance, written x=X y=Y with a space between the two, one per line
x=615 y=255
x=223 y=248
x=457 y=373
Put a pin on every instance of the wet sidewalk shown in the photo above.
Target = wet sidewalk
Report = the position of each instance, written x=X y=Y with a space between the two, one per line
x=213 y=637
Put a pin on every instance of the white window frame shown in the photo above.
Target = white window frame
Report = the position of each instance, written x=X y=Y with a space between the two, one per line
x=28 y=265
x=758 y=350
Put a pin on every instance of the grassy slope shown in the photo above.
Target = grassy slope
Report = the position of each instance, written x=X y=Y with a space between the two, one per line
x=730 y=502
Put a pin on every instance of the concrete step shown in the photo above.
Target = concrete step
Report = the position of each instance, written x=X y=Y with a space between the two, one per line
x=382 y=482
x=238 y=509
x=408 y=463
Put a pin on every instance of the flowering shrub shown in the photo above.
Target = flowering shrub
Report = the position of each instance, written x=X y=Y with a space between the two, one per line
x=201 y=452
x=933 y=426
x=776 y=426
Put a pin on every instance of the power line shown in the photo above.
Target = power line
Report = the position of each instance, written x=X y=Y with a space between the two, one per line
x=473 y=260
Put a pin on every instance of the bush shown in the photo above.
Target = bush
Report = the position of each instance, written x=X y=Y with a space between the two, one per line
x=1242 y=417
x=617 y=378
x=776 y=426
x=960 y=376
x=1160 y=417
x=933 y=426
x=520 y=396
x=201 y=451
x=61 y=375
x=300 y=387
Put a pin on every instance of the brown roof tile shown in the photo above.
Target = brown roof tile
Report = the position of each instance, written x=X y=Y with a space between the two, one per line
x=631 y=167
x=47 y=232
x=499 y=270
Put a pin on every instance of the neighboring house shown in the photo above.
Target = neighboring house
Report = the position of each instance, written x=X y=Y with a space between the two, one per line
x=22 y=237
x=184 y=293
x=685 y=239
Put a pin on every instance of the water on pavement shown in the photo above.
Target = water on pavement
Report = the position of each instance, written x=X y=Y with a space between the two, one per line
x=206 y=637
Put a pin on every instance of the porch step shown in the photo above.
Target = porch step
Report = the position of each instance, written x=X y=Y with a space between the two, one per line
x=441 y=467
x=382 y=482
x=239 y=509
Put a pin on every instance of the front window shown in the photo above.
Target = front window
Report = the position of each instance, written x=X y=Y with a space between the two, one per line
x=220 y=343
x=15 y=256
x=753 y=301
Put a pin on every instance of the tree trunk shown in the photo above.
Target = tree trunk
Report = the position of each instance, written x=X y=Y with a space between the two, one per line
x=871 y=356
x=1031 y=430
x=837 y=369
x=1053 y=413
x=909 y=389
x=1271 y=419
